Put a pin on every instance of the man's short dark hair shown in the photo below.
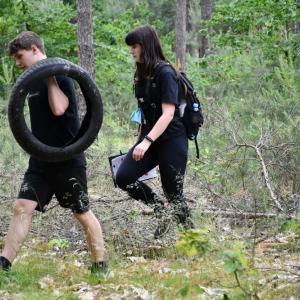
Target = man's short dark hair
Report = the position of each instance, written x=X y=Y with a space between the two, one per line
x=24 y=41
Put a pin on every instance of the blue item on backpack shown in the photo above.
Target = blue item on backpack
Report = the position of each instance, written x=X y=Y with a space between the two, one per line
x=136 y=116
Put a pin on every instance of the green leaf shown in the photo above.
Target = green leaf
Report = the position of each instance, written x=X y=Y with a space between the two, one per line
x=180 y=243
x=229 y=266
x=60 y=243
x=184 y=291
x=243 y=260
x=251 y=271
x=191 y=251
x=199 y=290
x=291 y=224
x=238 y=246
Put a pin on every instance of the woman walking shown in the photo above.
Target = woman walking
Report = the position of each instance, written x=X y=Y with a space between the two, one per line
x=162 y=138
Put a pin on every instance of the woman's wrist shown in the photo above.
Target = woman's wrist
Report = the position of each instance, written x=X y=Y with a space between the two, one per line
x=148 y=138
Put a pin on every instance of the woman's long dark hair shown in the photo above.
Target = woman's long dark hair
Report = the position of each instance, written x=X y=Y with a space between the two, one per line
x=151 y=52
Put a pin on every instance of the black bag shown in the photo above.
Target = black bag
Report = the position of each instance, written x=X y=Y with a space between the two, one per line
x=191 y=115
x=190 y=107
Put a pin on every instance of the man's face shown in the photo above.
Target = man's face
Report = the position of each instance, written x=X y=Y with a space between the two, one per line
x=25 y=58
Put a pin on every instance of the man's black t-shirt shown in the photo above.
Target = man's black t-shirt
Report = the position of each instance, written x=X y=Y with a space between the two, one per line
x=163 y=89
x=51 y=130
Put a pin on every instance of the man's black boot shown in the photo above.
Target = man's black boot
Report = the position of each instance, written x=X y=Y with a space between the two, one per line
x=5 y=264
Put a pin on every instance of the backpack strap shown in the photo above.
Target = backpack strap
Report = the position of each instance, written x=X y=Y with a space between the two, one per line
x=156 y=70
x=133 y=86
x=197 y=148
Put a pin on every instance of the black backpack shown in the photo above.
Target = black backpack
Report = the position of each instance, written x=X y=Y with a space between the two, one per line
x=192 y=118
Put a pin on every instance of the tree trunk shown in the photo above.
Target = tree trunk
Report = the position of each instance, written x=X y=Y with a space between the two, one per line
x=85 y=36
x=191 y=28
x=85 y=44
x=206 y=11
x=180 y=31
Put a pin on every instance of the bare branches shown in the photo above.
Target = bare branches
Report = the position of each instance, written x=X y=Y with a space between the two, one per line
x=232 y=128
x=266 y=178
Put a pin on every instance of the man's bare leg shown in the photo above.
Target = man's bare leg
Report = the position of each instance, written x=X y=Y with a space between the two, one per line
x=93 y=233
x=19 y=228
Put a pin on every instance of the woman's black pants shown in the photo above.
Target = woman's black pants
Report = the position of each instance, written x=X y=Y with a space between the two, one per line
x=171 y=157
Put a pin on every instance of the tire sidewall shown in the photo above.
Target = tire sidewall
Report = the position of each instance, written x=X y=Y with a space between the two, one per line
x=32 y=76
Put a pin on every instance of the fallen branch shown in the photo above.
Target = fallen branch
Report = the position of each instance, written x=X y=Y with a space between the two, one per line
x=247 y=215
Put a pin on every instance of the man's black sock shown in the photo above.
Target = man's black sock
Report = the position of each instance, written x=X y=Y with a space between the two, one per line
x=4 y=264
x=98 y=265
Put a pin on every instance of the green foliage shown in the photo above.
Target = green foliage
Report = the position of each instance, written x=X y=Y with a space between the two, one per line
x=235 y=260
x=163 y=10
x=60 y=243
x=115 y=8
x=247 y=103
x=235 y=263
x=132 y=214
x=6 y=82
x=6 y=79
x=48 y=19
x=13 y=158
x=194 y=242
x=113 y=63
x=293 y=225
x=263 y=25
x=185 y=290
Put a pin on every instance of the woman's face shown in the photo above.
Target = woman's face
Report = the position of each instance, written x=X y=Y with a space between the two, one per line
x=135 y=51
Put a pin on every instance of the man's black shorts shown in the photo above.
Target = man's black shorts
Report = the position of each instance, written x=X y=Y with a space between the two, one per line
x=68 y=184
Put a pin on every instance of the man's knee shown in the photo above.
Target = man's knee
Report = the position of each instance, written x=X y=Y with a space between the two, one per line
x=24 y=206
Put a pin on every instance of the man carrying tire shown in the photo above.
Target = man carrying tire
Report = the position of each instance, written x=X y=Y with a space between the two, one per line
x=54 y=122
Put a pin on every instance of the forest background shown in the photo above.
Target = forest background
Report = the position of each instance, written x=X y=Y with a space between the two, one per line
x=243 y=59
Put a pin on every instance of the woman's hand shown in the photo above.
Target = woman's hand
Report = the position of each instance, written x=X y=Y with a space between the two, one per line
x=162 y=123
x=140 y=149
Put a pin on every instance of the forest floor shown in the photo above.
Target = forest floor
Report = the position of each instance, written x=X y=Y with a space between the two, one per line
x=128 y=228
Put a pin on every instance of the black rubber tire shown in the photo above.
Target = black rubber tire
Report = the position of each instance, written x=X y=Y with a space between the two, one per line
x=90 y=125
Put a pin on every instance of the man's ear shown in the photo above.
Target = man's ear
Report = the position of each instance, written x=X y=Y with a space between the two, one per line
x=34 y=49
